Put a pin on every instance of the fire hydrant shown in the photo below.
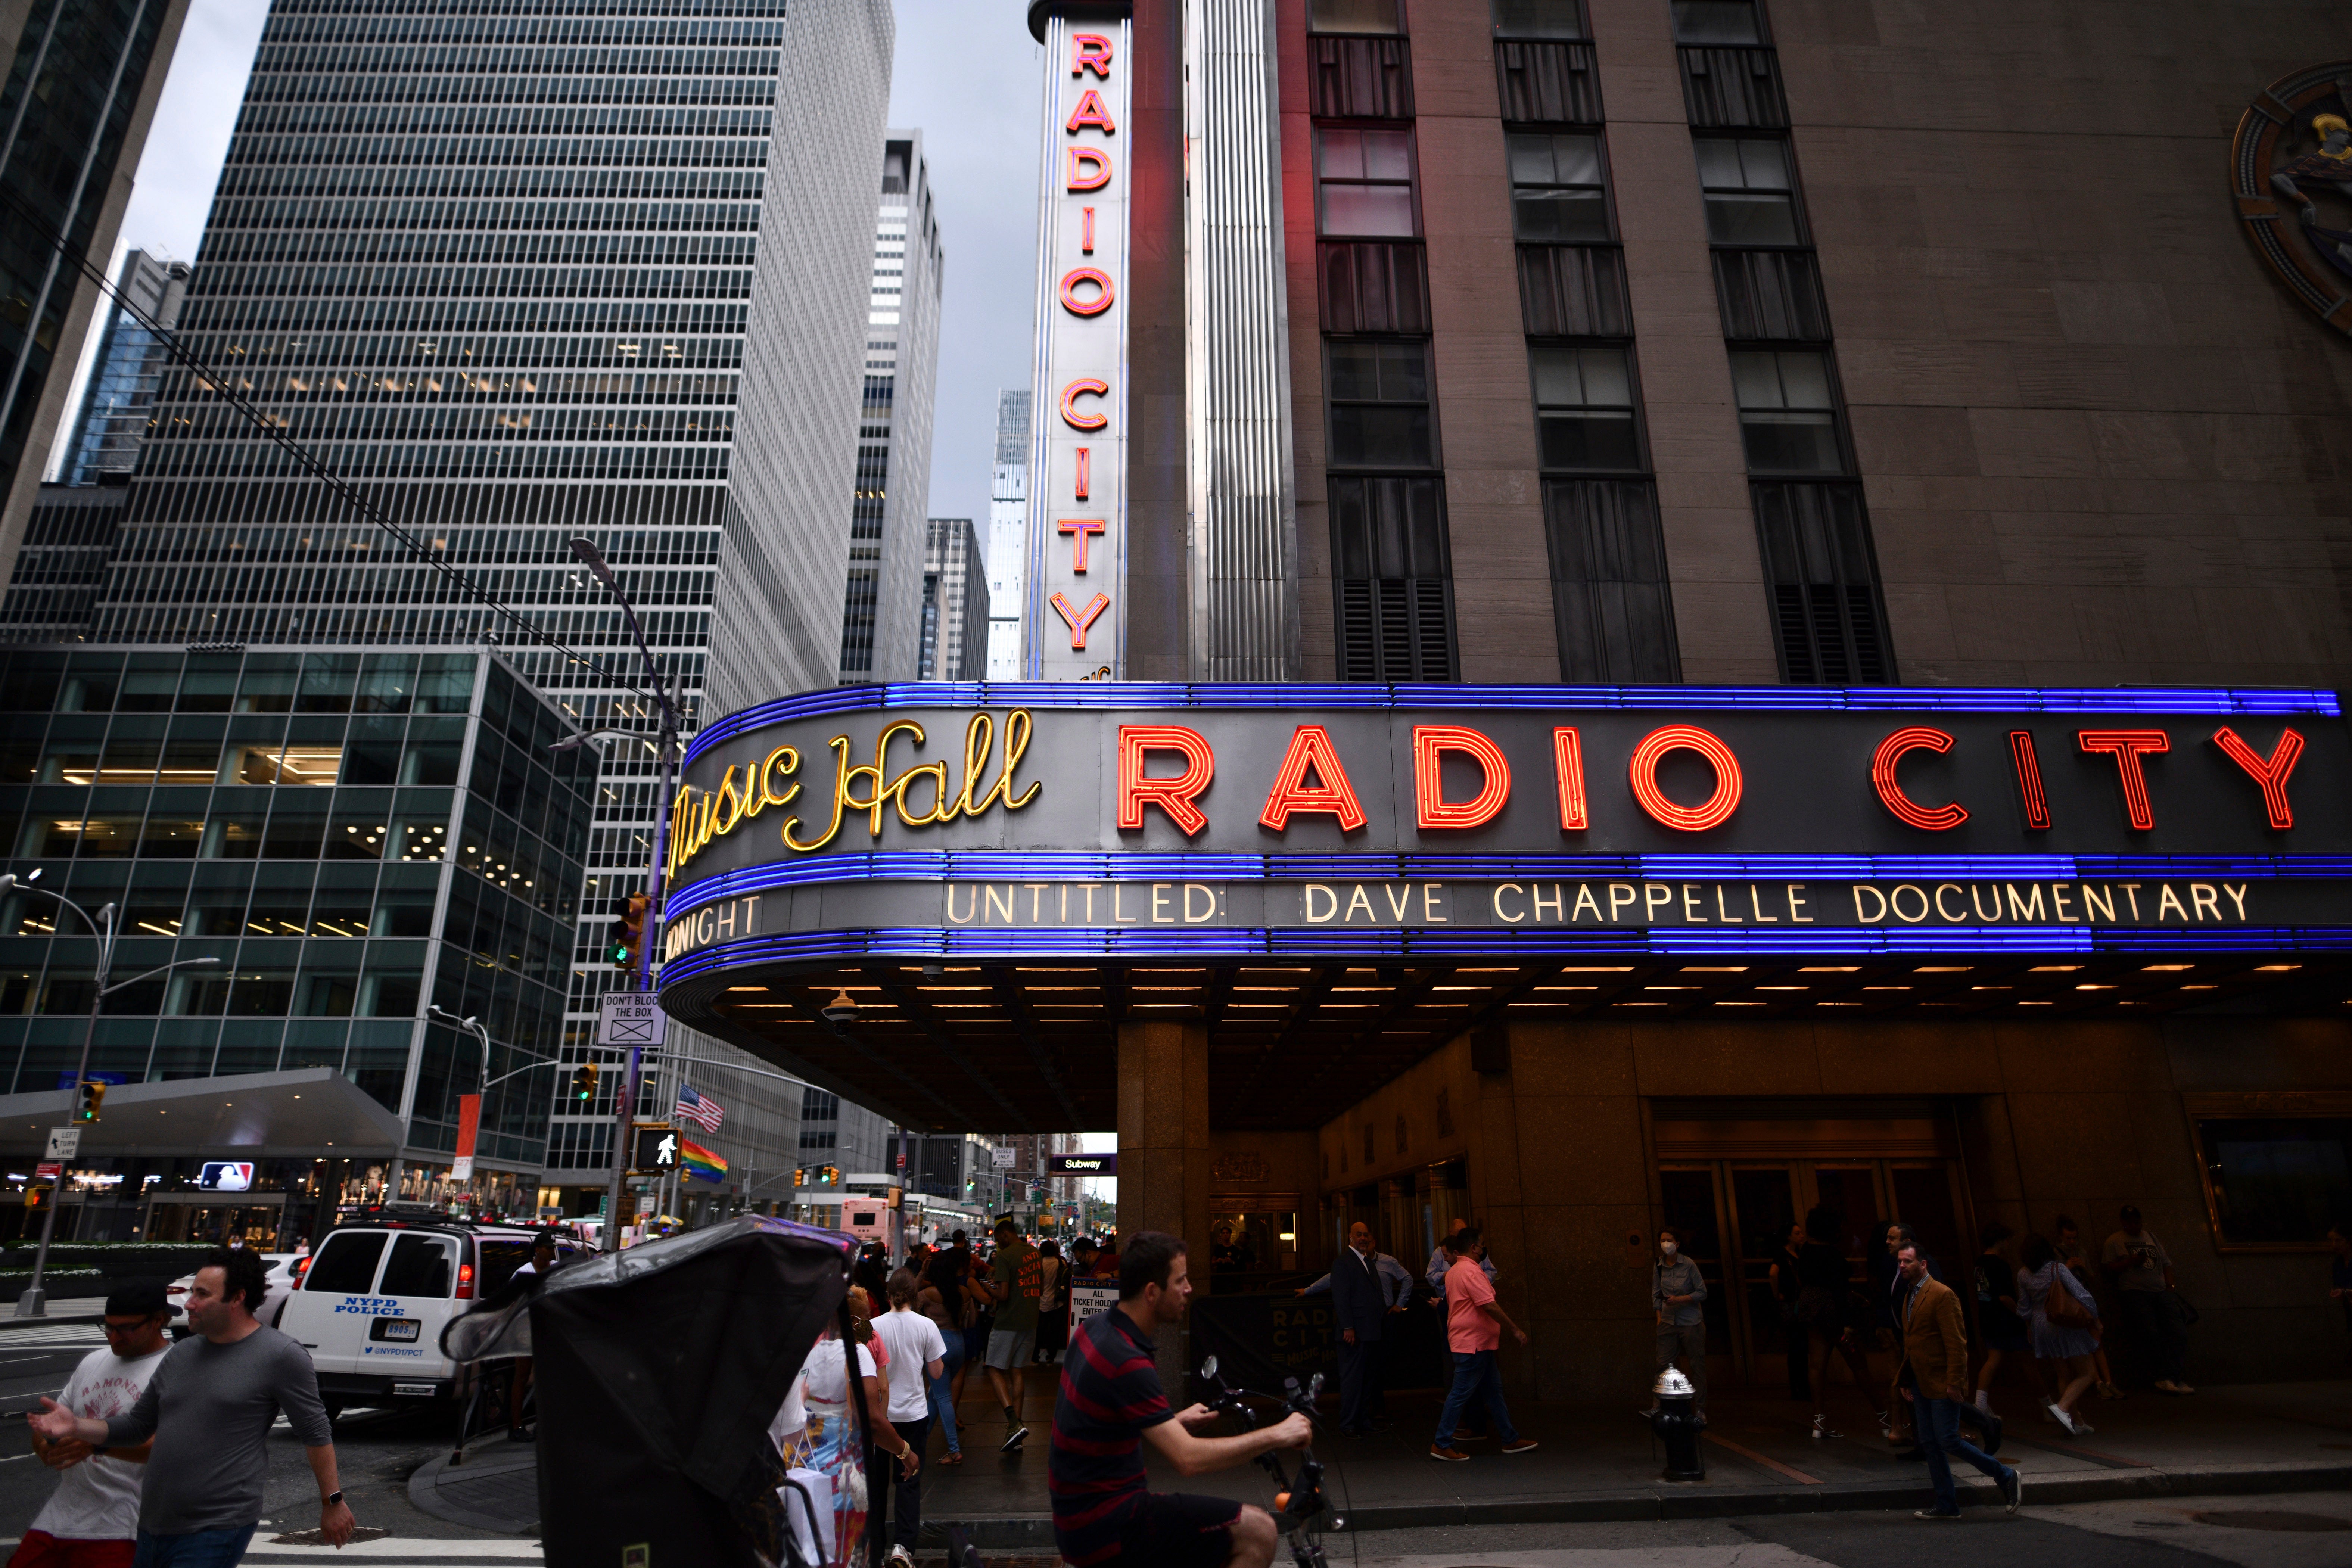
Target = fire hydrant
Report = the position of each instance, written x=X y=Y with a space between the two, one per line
x=1675 y=1423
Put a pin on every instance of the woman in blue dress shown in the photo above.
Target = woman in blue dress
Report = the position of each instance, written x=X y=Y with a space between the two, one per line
x=2062 y=1348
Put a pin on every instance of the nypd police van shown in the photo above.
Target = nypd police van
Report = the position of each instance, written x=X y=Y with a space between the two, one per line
x=373 y=1300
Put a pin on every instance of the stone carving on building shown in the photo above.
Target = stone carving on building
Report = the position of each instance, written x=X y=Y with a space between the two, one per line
x=2291 y=174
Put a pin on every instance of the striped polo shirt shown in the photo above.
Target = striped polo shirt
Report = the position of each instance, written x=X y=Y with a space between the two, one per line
x=1110 y=1392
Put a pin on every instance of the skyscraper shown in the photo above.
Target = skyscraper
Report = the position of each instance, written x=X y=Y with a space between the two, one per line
x=881 y=611
x=955 y=602
x=118 y=405
x=517 y=291
x=80 y=94
x=1008 y=529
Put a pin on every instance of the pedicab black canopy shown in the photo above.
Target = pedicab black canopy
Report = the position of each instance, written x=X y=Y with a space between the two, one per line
x=660 y=1369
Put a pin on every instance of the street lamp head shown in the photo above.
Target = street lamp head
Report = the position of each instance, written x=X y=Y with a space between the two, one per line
x=586 y=550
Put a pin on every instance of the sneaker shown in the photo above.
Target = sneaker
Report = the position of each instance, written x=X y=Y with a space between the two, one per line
x=2083 y=1428
x=2062 y=1417
x=1519 y=1446
x=899 y=1554
x=1821 y=1427
x=1014 y=1441
x=1935 y=1514
x=2012 y=1490
x=1451 y=1456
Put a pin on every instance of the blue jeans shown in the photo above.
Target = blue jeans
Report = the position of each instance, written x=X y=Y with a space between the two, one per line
x=941 y=1390
x=1475 y=1374
x=1940 y=1434
x=200 y=1549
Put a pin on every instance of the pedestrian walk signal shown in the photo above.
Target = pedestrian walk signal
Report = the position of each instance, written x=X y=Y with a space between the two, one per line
x=629 y=931
x=657 y=1152
x=583 y=1083
x=88 y=1097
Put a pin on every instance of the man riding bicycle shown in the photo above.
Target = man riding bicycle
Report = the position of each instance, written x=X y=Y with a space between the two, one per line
x=1112 y=1402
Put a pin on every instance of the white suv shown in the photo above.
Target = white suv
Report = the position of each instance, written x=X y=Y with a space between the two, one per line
x=376 y=1293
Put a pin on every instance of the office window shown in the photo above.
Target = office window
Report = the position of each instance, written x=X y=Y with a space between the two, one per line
x=1538 y=19
x=1558 y=195
x=1353 y=16
x=2277 y=1182
x=1826 y=614
x=1365 y=182
x=1717 y=22
x=1584 y=408
x=1389 y=552
x=1750 y=195
x=1380 y=406
x=1788 y=413
x=1612 y=603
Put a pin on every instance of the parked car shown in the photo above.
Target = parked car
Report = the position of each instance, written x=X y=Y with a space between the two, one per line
x=284 y=1270
x=375 y=1294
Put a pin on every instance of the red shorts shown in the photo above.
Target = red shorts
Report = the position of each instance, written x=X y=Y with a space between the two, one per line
x=39 y=1549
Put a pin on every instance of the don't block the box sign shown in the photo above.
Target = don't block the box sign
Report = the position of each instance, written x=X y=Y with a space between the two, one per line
x=1334 y=821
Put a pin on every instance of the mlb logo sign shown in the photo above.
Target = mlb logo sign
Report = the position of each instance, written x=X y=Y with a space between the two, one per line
x=227 y=1175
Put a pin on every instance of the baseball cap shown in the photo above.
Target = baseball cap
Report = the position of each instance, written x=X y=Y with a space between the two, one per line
x=138 y=1298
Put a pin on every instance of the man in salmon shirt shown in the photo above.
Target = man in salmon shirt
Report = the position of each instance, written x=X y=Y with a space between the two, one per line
x=1474 y=1328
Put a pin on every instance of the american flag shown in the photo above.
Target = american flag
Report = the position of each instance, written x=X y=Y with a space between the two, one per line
x=698 y=1108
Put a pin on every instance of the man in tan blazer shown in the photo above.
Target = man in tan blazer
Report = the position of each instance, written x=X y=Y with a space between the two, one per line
x=1934 y=1375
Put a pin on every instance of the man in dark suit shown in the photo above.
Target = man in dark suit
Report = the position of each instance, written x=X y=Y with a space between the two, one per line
x=1359 y=1302
x=1934 y=1379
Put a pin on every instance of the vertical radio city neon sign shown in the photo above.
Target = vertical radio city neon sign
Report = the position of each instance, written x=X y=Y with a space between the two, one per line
x=1074 y=616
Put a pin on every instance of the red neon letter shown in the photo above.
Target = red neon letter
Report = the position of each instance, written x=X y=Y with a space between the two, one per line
x=1172 y=795
x=1079 y=528
x=2127 y=746
x=1644 y=771
x=1568 y=759
x=1310 y=747
x=1078 y=620
x=1082 y=178
x=1093 y=306
x=1934 y=818
x=1430 y=742
x=1084 y=386
x=1086 y=462
x=2029 y=779
x=1090 y=52
x=1090 y=112
x=2270 y=774
x=1086 y=230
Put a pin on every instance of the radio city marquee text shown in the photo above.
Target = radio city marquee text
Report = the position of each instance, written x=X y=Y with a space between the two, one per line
x=1167 y=769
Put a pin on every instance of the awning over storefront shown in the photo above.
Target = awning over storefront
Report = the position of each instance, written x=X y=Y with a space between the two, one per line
x=947 y=900
x=309 y=1113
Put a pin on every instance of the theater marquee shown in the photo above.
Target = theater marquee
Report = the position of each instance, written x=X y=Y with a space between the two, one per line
x=1337 y=821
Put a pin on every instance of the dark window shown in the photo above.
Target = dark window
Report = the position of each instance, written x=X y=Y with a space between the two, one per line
x=1353 y=16
x=1584 y=408
x=2278 y=1181
x=419 y=1267
x=499 y=1260
x=1610 y=594
x=1788 y=412
x=1538 y=19
x=1557 y=193
x=1817 y=560
x=1750 y=195
x=1717 y=22
x=1380 y=406
x=346 y=1263
x=1395 y=605
x=1365 y=182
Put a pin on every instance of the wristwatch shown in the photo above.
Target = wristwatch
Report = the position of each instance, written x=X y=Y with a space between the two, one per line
x=331 y=1500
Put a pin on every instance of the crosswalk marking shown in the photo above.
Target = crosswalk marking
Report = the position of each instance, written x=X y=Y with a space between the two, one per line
x=51 y=1336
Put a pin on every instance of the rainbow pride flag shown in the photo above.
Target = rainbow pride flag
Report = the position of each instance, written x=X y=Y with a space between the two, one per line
x=700 y=1163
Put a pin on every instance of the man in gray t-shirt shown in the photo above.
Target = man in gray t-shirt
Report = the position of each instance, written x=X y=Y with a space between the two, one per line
x=209 y=1408
x=2142 y=1273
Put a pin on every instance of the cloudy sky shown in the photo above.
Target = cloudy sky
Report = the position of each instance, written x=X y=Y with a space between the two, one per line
x=966 y=75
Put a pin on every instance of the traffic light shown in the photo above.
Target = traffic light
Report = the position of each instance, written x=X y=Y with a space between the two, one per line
x=32 y=1197
x=800 y=1177
x=584 y=1082
x=657 y=1152
x=87 y=1098
x=629 y=931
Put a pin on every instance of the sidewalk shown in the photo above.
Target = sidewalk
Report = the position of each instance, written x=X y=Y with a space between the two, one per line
x=1601 y=1464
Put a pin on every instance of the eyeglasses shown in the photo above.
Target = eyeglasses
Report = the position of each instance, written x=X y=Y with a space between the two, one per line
x=113 y=1328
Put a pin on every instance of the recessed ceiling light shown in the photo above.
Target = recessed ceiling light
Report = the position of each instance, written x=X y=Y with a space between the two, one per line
x=2165 y=968
x=2055 y=968
x=1831 y=969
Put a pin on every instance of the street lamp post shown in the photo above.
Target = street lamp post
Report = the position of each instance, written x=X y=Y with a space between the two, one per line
x=472 y=1024
x=625 y=1102
x=34 y=1303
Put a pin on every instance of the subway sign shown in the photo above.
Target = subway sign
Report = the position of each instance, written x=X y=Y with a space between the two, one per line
x=1080 y=817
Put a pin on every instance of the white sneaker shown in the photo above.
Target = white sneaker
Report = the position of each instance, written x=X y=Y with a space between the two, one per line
x=899 y=1554
x=2083 y=1428
x=2062 y=1418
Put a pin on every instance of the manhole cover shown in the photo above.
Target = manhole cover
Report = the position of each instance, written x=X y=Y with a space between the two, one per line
x=2270 y=1518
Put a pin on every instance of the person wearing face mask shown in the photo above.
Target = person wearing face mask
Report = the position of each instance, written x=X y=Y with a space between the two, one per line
x=1677 y=1291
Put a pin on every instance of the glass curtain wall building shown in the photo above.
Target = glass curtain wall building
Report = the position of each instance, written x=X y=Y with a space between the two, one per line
x=499 y=270
x=118 y=406
x=955 y=602
x=353 y=832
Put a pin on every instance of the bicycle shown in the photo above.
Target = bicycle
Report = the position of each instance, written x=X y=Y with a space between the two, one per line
x=1299 y=1500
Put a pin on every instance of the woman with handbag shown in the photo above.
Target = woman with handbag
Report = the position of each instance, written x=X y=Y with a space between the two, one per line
x=2064 y=1324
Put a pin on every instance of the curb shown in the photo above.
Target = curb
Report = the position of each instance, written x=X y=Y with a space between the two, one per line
x=96 y=1314
x=1036 y=1531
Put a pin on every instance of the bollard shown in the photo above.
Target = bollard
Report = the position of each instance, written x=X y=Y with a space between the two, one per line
x=1675 y=1424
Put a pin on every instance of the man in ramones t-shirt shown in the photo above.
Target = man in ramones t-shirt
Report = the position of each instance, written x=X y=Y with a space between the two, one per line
x=1111 y=1403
